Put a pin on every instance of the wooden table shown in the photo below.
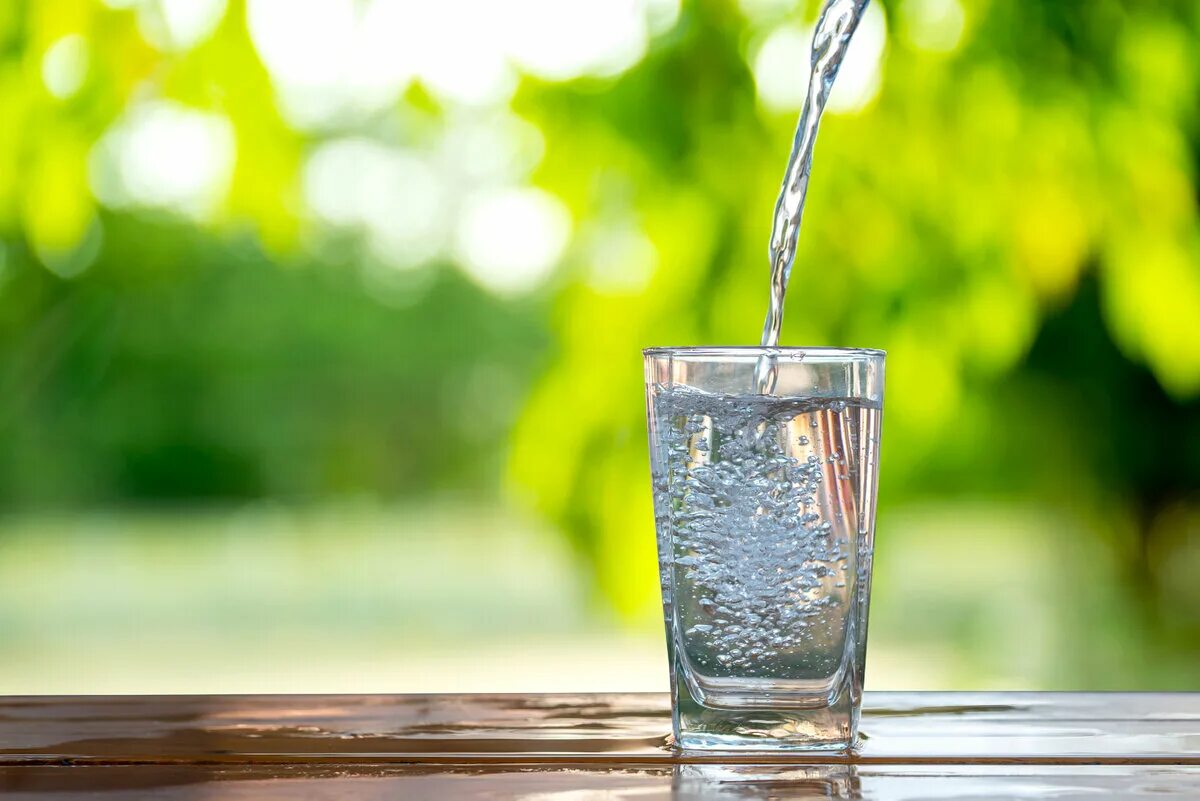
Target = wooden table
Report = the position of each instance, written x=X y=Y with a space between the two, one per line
x=586 y=747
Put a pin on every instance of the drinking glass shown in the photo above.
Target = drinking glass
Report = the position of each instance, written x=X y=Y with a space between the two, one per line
x=764 y=464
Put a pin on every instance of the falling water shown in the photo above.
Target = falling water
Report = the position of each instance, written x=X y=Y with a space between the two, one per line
x=831 y=38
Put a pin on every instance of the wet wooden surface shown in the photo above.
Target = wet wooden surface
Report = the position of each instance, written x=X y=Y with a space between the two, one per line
x=583 y=747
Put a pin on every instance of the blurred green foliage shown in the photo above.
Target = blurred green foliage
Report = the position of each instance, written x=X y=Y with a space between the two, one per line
x=186 y=368
x=1015 y=223
x=1014 y=218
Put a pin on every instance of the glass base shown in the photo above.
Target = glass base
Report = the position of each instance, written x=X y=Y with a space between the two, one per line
x=821 y=728
x=806 y=730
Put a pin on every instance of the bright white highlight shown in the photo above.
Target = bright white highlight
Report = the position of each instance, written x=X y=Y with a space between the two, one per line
x=164 y=154
x=404 y=203
x=394 y=198
x=174 y=25
x=65 y=66
x=510 y=240
x=782 y=63
x=324 y=63
x=781 y=68
x=329 y=58
x=559 y=40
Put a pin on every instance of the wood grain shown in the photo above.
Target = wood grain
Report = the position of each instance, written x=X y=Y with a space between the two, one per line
x=613 y=746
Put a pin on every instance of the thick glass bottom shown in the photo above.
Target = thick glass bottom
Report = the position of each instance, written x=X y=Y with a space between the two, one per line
x=826 y=727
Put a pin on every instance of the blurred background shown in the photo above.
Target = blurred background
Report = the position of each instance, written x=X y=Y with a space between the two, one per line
x=320 y=328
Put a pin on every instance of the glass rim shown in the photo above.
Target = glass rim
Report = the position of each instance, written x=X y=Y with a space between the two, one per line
x=759 y=350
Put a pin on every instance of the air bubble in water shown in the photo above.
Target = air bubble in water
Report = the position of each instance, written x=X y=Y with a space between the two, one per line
x=758 y=537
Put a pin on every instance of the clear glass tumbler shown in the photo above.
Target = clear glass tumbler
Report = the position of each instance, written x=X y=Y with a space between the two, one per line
x=764 y=501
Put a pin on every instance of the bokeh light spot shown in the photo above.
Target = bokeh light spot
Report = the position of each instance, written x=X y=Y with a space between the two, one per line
x=768 y=9
x=165 y=154
x=65 y=66
x=510 y=240
x=329 y=58
x=174 y=25
x=584 y=37
x=933 y=25
x=621 y=260
x=781 y=66
x=394 y=198
x=861 y=73
x=495 y=147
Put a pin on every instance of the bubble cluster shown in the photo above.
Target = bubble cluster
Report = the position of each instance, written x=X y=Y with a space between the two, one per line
x=758 y=506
